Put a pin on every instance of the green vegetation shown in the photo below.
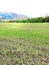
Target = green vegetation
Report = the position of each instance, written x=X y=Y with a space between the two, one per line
x=33 y=20
x=24 y=43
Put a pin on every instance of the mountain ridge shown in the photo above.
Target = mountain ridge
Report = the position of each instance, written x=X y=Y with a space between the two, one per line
x=11 y=16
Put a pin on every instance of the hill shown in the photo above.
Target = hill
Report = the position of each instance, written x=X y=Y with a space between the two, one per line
x=11 y=16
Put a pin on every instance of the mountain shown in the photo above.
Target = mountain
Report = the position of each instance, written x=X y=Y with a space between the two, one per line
x=11 y=16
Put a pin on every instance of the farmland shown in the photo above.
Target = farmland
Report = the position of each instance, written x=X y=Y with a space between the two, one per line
x=24 y=43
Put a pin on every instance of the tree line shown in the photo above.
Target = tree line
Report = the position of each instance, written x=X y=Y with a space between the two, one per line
x=33 y=20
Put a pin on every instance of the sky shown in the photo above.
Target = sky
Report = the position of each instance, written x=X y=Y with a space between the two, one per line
x=30 y=8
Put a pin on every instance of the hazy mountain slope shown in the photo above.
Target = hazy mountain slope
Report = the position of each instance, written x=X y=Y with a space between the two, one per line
x=7 y=15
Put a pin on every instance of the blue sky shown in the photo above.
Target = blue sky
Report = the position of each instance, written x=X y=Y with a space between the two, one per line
x=31 y=8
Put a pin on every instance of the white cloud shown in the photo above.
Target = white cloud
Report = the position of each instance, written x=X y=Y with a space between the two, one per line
x=31 y=8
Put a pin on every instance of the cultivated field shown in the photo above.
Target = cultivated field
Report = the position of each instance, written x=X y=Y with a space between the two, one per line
x=24 y=43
